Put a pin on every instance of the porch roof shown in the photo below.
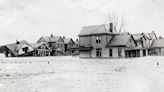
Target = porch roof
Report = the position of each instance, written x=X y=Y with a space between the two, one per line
x=158 y=43
x=134 y=48
x=85 y=48
x=43 y=50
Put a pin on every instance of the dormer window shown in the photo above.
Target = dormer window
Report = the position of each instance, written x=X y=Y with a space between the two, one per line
x=98 y=39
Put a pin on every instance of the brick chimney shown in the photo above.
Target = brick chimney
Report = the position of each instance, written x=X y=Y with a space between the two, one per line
x=63 y=37
x=17 y=42
x=51 y=35
x=111 y=27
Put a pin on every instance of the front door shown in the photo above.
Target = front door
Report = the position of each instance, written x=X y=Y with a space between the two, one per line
x=98 y=53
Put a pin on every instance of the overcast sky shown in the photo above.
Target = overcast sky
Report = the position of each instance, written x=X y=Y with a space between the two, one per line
x=31 y=19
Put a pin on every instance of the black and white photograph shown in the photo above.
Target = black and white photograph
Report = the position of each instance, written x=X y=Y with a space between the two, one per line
x=81 y=45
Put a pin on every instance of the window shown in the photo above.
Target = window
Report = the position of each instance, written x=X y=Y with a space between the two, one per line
x=25 y=49
x=110 y=53
x=98 y=39
x=144 y=52
x=119 y=52
x=98 y=52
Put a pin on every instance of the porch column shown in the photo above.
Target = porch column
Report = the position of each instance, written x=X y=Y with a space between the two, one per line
x=147 y=52
x=123 y=52
x=141 y=53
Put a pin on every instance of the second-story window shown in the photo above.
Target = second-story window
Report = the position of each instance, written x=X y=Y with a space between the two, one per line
x=98 y=39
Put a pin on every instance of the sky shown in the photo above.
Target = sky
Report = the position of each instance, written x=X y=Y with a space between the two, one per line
x=31 y=19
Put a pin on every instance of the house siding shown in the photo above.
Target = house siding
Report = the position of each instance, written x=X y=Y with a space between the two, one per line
x=85 y=41
x=115 y=52
x=85 y=54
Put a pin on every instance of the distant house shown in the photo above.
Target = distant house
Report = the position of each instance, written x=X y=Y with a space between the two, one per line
x=144 y=40
x=68 y=43
x=41 y=49
x=75 y=48
x=56 y=44
x=157 y=47
x=20 y=48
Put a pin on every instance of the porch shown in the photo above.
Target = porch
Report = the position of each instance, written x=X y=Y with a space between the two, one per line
x=42 y=52
x=136 y=52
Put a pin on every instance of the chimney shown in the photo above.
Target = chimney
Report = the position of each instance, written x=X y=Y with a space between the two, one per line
x=51 y=35
x=111 y=27
x=17 y=42
x=77 y=39
x=63 y=37
x=160 y=37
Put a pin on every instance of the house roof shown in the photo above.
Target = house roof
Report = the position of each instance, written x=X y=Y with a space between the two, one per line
x=95 y=29
x=15 y=47
x=37 y=45
x=151 y=35
x=137 y=36
x=157 y=43
x=76 y=42
x=67 y=40
x=119 y=40
x=51 y=39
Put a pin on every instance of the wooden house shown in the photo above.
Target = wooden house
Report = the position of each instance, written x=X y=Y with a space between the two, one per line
x=68 y=43
x=20 y=48
x=75 y=48
x=93 y=38
x=144 y=41
x=157 y=47
x=41 y=49
x=56 y=44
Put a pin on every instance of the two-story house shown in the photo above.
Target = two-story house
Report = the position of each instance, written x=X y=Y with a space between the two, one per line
x=68 y=43
x=56 y=44
x=93 y=40
x=144 y=41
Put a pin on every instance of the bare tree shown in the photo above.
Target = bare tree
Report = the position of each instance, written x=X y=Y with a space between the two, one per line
x=118 y=23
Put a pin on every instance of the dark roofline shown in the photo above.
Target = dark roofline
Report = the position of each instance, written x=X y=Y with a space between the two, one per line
x=117 y=46
x=134 y=40
x=99 y=34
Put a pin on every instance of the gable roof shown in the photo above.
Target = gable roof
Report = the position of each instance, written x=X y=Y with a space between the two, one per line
x=96 y=29
x=15 y=47
x=157 y=43
x=51 y=39
x=119 y=40
x=76 y=42
x=151 y=35
x=137 y=36
x=67 y=40
x=37 y=45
